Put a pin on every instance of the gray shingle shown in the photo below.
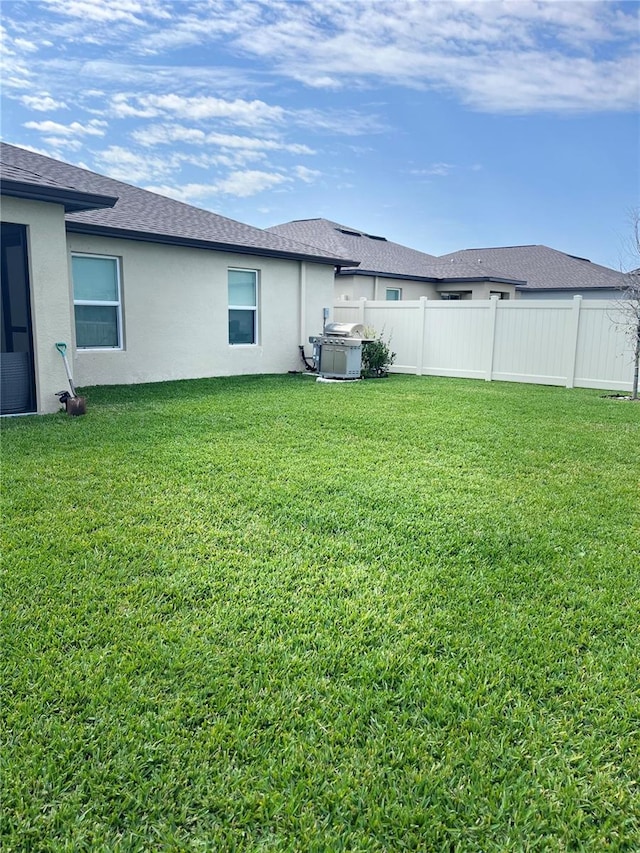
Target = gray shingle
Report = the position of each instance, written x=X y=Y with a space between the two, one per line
x=379 y=256
x=375 y=254
x=541 y=267
x=140 y=214
x=12 y=172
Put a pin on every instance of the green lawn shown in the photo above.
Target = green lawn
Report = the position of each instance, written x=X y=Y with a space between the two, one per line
x=264 y=613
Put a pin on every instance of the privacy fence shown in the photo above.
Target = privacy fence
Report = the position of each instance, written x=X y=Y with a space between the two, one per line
x=574 y=342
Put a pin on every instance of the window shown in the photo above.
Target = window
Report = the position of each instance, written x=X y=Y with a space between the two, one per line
x=243 y=307
x=394 y=294
x=450 y=296
x=96 y=301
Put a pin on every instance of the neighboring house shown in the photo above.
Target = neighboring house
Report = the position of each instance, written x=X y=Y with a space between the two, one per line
x=549 y=274
x=388 y=270
x=141 y=287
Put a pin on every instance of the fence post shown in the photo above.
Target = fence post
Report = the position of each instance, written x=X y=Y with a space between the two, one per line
x=573 y=340
x=363 y=302
x=422 y=327
x=493 y=315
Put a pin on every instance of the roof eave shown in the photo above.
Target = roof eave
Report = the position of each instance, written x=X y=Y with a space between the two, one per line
x=533 y=289
x=392 y=275
x=431 y=279
x=73 y=201
x=211 y=245
x=515 y=281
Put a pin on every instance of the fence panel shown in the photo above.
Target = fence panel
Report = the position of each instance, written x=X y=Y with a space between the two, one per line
x=604 y=358
x=457 y=338
x=533 y=342
x=397 y=322
x=551 y=342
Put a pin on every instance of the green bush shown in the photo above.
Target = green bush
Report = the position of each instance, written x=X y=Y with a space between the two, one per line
x=377 y=356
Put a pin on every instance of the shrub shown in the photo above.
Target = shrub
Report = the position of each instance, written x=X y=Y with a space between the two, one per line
x=377 y=357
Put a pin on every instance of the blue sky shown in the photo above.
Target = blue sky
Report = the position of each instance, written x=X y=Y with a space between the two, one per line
x=440 y=125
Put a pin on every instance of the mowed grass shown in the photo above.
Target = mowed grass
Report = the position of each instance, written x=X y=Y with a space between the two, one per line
x=267 y=614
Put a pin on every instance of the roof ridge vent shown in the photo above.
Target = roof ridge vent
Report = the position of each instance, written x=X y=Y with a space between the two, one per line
x=375 y=237
x=349 y=232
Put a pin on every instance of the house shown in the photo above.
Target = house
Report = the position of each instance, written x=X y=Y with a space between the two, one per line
x=141 y=287
x=548 y=273
x=388 y=270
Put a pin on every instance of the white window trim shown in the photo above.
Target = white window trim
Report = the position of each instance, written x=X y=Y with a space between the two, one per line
x=397 y=290
x=254 y=308
x=101 y=303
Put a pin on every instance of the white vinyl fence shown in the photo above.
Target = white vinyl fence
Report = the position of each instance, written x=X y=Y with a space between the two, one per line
x=574 y=342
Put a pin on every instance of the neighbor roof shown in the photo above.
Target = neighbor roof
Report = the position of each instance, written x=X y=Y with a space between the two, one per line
x=143 y=215
x=541 y=268
x=379 y=256
x=375 y=254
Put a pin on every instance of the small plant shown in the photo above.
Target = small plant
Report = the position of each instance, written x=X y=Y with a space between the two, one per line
x=377 y=356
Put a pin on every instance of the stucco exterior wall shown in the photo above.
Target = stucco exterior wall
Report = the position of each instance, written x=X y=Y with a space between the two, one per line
x=49 y=284
x=478 y=289
x=355 y=287
x=175 y=313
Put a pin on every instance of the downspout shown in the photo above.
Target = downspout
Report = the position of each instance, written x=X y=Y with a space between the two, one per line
x=303 y=303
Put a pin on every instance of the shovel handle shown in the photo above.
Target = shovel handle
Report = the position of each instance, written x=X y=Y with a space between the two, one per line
x=62 y=349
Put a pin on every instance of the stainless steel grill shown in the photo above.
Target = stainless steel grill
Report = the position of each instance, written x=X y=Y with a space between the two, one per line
x=338 y=351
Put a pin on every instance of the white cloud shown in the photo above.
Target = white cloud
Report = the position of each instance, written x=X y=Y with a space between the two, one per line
x=165 y=134
x=139 y=167
x=562 y=56
x=240 y=184
x=243 y=184
x=63 y=142
x=131 y=167
x=578 y=56
x=91 y=128
x=26 y=46
x=203 y=108
x=306 y=175
x=127 y=11
x=225 y=140
x=42 y=103
x=161 y=134
x=14 y=81
x=437 y=169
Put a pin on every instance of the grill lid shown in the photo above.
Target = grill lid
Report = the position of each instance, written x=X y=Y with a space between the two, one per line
x=344 y=330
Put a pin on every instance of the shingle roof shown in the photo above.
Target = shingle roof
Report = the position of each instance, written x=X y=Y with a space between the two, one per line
x=379 y=256
x=12 y=172
x=375 y=254
x=541 y=267
x=143 y=215
x=24 y=183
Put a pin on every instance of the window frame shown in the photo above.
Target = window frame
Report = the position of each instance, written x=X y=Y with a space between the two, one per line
x=101 y=303
x=397 y=290
x=255 y=308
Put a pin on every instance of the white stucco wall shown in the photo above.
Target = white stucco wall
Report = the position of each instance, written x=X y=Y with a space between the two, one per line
x=175 y=313
x=355 y=287
x=49 y=282
x=478 y=289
